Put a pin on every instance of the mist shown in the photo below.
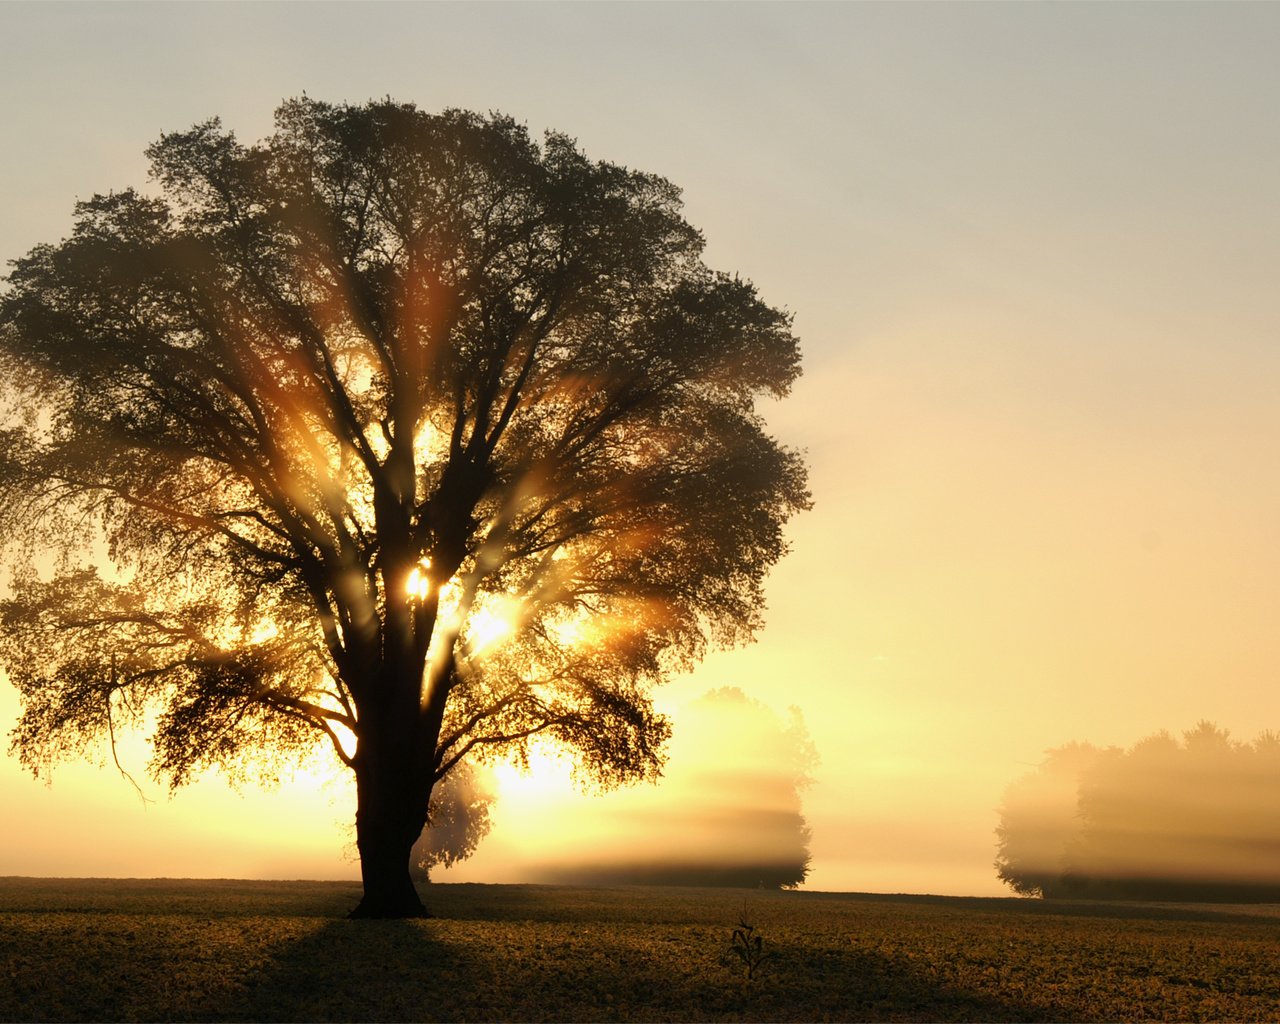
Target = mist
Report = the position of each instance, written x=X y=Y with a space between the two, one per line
x=1189 y=818
x=727 y=810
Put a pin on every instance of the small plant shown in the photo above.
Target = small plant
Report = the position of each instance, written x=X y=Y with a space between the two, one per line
x=748 y=946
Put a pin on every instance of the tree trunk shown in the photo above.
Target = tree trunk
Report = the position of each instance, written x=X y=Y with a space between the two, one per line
x=386 y=829
x=388 y=887
x=393 y=763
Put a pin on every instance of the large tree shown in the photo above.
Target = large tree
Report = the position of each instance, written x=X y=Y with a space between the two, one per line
x=396 y=429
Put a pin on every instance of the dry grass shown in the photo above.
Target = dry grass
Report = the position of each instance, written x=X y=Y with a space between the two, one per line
x=214 y=950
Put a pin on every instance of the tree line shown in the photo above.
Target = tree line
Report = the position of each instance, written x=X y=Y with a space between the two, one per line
x=1189 y=818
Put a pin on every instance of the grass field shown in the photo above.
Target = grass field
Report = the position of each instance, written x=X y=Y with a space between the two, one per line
x=225 y=950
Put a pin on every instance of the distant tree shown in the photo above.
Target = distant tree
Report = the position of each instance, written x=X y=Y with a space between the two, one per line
x=1039 y=821
x=457 y=821
x=397 y=430
x=1195 y=819
x=728 y=812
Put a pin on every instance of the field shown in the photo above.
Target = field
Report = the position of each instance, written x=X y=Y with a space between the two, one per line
x=228 y=950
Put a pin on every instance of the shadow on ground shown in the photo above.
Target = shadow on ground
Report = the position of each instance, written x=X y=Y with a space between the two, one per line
x=490 y=967
x=229 y=951
x=355 y=970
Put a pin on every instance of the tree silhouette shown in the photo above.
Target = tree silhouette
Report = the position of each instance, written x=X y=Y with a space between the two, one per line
x=1040 y=822
x=458 y=820
x=1164 y=819
x=728 y=813
x=399 y=430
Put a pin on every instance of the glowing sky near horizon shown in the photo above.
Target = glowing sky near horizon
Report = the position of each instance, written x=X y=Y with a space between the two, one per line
x=1032 y=253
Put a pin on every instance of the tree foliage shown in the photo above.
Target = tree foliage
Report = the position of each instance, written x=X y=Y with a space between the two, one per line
x=458 y=820
x=1164 y=819
x=396 y=429
x=1039 y=821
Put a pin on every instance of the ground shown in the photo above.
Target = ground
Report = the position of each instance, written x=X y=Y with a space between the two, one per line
x=230 y=950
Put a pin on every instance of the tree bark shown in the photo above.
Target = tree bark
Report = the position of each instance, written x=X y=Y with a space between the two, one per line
x=389 y=891
x=387 y=826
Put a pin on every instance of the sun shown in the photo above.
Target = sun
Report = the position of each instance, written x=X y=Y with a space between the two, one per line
x=418 y=585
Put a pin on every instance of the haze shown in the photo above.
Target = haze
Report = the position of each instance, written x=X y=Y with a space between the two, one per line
x=1032 y=253
x=1191 y=817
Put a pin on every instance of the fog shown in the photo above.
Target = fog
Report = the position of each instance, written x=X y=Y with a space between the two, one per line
x=1031 y=250
x=1191 y=817
x=726 y=811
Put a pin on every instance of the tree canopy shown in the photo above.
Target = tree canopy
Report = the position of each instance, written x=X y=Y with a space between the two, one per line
x=399 y=430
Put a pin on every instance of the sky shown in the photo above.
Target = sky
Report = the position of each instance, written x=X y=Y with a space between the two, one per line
x=1031 y=252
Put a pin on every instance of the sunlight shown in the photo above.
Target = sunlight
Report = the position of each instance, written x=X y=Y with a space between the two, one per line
x=488 y=626
x=430 y=443
x=232 y=635
x=264 y=631
x=568 y=632
x=418 y=585
x=320 y=779
x=449 y=610
x=529 y=791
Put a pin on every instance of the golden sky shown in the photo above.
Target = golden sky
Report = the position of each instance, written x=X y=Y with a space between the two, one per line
x=1032 y=253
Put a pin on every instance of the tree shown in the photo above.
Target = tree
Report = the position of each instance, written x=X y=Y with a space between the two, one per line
x=458 y=821
x=1039 y=821
x=394 y=429
x=728 y=812
x=1162 y=820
